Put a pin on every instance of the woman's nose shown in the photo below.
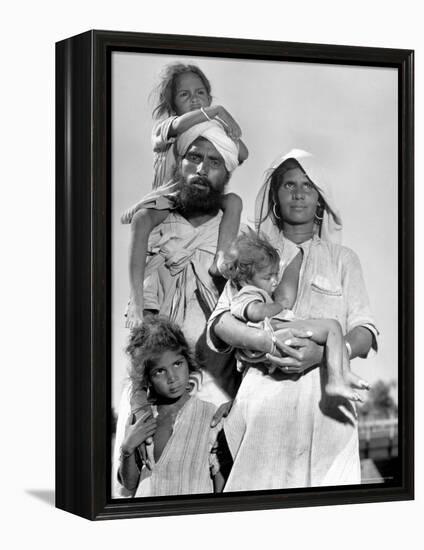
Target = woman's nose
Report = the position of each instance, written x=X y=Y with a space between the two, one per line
x=298 y=194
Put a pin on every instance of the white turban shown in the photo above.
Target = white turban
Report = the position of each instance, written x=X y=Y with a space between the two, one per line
x=213 y=132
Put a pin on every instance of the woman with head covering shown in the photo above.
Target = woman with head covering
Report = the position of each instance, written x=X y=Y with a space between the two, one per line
x=283 y=421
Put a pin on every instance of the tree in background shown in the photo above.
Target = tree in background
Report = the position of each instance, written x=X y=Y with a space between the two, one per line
x=380 y=403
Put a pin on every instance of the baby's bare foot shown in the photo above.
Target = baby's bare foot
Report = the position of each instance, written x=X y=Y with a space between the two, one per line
x=341 y=389
x=355 y=381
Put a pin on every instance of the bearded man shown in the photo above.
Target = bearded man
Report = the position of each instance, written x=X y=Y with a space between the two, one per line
x=181 y=250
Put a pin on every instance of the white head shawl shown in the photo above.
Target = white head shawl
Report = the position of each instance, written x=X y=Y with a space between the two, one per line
x=331 y=226
x=213 y=132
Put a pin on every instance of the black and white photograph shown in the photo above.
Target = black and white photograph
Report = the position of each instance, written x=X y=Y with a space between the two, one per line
x=254 y=275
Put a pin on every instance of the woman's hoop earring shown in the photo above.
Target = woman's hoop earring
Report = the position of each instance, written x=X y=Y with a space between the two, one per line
x=320 y=210
x=275 y=213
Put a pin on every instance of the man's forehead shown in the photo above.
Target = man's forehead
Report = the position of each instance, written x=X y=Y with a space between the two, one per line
x=204 y=146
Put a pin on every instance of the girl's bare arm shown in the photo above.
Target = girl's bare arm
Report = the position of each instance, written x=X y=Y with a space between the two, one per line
x=183 y=122
x=144 y=221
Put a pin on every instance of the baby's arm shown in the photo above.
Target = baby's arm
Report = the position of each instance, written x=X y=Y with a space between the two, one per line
x=144 y=221
x=232 y=206
x=257 y=311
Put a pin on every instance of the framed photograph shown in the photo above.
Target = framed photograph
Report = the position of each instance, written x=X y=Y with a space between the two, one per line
x=234 y=275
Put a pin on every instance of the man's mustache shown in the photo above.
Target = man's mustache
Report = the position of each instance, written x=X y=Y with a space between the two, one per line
x=201 y=180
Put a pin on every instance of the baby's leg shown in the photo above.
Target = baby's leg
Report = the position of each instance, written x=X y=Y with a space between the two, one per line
x=232 y=206
x=328 y=332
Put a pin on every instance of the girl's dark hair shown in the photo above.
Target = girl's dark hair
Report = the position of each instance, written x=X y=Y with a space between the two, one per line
x=276 y=179
x=165 y=90
x=247 y=255
x=146 y=344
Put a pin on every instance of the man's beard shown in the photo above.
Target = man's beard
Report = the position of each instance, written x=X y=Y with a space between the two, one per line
x=192 y=200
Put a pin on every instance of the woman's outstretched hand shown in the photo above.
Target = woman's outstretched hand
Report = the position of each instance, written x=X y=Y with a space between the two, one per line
x=222 y=412
x=298 y=350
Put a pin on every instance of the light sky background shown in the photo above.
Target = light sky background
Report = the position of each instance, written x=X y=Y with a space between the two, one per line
x=346 y=116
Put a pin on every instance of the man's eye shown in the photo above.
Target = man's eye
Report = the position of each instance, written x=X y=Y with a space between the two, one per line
x=192 y=157
x=215 y=163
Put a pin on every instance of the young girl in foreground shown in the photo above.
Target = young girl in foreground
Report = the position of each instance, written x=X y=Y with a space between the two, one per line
x=252 y=267
x=182 y=458
x=184 y=99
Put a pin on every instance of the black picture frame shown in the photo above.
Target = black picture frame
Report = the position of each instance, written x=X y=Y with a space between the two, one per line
x=83 y=245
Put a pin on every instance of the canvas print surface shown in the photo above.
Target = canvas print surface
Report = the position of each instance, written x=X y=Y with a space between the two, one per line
x=254 y=275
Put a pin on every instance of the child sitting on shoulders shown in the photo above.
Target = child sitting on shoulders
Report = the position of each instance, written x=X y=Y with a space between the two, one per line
x=252 y=266
x=181 y=451
x=184 y=100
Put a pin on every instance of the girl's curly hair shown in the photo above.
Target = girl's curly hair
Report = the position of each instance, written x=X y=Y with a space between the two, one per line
x=165 y=90
x=247 y=255
x=146 y=344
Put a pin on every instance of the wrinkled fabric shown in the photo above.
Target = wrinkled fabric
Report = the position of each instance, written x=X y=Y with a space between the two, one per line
x=213 y=132
x=245 y=296
x=189 y=459
x=164 y=160
x=182 y=249
x=287 y=424
x=177 y=284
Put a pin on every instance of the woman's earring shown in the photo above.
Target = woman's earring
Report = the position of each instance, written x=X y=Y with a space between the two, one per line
x=319 y=214
x=275 y=213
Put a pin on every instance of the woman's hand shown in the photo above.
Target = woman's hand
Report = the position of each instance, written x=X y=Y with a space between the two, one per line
x=222 y=412
x=137 y=433
x=298 y=350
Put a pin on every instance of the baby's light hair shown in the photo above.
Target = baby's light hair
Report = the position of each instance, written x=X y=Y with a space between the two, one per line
x=247 y=255
x=165 y=90
x=146 y=344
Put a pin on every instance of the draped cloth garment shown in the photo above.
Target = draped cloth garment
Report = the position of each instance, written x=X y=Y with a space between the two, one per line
x=177 y=284
x=331 y=226
x=286 y=424
x=189 y=459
